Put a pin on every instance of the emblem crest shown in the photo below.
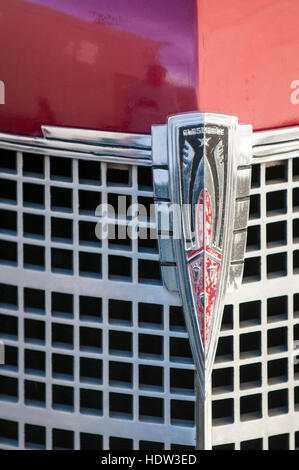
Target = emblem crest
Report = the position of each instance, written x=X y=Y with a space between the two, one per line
x=201 y=168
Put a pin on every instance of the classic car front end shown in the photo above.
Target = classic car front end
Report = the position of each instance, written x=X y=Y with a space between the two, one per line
x=100 y=345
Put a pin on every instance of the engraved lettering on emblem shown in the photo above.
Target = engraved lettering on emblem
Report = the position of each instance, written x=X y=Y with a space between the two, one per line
x=203 y=130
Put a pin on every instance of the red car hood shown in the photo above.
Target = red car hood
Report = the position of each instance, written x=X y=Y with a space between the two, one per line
x=122 y=66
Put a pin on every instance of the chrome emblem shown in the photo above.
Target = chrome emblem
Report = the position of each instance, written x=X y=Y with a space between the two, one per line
x=201 y=167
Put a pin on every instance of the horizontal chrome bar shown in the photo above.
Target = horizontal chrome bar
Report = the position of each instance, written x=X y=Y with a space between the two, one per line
x=274 y=157
x=119 y=139
x=272 y=136
x=135 y=149
x=88 y=149
x=276 y=144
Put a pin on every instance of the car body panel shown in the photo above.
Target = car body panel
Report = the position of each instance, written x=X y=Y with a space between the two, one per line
x=122 y=66
x=248 y=60
x=97 y=64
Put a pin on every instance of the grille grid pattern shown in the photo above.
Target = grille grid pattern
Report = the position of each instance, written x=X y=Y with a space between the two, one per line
x=99 y=347
x=97 y=352
x=254 y=379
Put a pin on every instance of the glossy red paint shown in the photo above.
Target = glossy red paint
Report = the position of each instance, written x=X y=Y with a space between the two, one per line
x=99 y=64
x=122 y=65
x=248 y=58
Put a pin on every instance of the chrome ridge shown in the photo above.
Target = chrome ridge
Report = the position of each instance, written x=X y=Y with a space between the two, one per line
x=133 y=149
x=275 y=144
x=136 y=149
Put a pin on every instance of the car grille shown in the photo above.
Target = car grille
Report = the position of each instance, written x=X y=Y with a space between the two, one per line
x=97 y=355
x=255 y=380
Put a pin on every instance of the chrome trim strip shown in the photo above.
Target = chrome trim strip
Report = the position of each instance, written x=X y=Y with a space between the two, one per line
x=274 y=157
x=276 y=144
x=283 y=134
x=136 y=149
x=73 y=146
x=86 y=136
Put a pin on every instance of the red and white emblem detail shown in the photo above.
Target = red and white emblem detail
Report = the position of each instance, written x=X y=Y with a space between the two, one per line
x=205 y=151
x=203 y=268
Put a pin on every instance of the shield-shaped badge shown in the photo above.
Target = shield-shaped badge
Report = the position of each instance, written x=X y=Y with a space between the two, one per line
x=201 y=169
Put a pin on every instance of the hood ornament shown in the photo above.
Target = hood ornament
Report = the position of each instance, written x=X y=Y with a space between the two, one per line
x=202 y=173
